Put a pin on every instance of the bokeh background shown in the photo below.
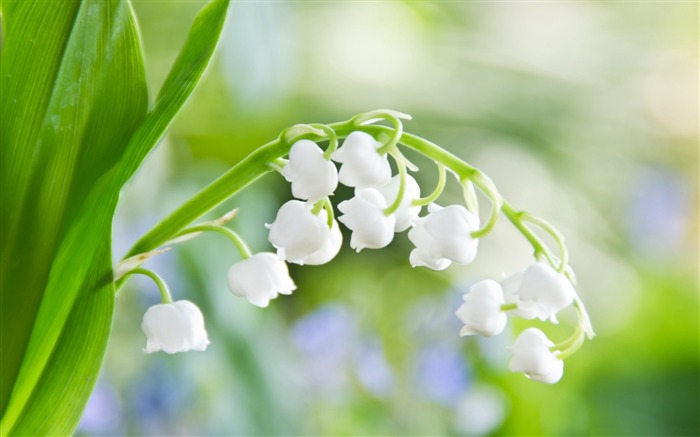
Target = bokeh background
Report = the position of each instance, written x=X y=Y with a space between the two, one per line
x=585 y=113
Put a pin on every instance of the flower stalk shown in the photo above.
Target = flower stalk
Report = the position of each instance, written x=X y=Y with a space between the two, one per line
x=363 y=156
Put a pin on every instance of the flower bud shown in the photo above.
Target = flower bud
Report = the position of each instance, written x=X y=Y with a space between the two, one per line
x=298 y=234
x=406 y=213
x=174 y=327
x=444 y=236
x=543 y=292
x=313 y=177
x=260 y=278
x=364 y=216
x=362 y=166
x=481 y=311
x=532 y=356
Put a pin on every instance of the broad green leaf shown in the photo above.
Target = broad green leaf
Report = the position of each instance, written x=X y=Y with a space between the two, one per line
x=71 y=145
x=56 y=142
x=58 y=126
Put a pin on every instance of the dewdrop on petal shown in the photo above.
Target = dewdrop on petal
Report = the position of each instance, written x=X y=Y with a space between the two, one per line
x=481 y=311
x=364 y=216
x=313 y=177
x=532 y=356
x=361 y=164
x=174 y=327
x=260 y=278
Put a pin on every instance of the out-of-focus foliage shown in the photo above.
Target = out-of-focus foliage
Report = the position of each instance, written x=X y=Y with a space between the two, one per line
x=582 y=112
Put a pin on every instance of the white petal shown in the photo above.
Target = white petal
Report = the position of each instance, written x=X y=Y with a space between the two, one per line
x=174 y=327
x=313 y=177
x=481 y=311
x=532 y=356
x=260 y=278
x=362 y=166
x=298 y=231
x=364 y=216
x=330 y=248
x=546 y=290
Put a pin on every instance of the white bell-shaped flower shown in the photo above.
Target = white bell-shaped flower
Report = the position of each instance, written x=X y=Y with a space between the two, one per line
x=260 y=278
x=444 y=236
x=532 y=355
x=362 y=166
x=330 y=248
x=407 y=213
x=481 y=311
x=298 y=234
x=364 y=216
x=543 y=292
x=313 y=177
x=174 y=327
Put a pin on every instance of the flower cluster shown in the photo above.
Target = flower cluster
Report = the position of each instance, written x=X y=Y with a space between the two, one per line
x=305 y=231
x=538 y=291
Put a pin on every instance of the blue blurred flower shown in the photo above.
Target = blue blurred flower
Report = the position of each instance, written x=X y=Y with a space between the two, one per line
x=373 y=372
x=327 y=337
x=658 y=212
x=157 y=398
x=103 y=413
x=442 y=374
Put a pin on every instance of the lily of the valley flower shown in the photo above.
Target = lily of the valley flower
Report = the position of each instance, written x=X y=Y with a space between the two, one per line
x=260 y=278
x=300 y=235
x=407 y=213
x=174 y=327
x=313 y=177
x=364 y=216
x=532 y=356
x=481 y=311
x=362 y=166
x=444 y=236
x=543 y=292
x=330 y=248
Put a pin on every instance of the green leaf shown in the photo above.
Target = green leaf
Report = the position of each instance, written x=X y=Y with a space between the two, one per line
x=75 y=94
x=180 y=83
x=74 y=130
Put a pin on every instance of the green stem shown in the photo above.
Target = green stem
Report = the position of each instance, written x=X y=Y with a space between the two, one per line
x=509 y=306
x=228 y=233
x=318 y=206
x=278 y=164
x=470 y=198
x=256 y=165
x=383 y=114
x=328 y=206
x=486 y=185
x=555 y=234
x=402 y=189
x=540 y=249
x=332 y=139
x=165 y=295
x=432 y=197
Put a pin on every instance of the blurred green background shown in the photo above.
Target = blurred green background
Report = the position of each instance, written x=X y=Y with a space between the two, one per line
x=585 y=113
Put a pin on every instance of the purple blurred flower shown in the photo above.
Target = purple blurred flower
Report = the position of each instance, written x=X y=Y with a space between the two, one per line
x=327 y=337
x=373 y=372
x=442 y=374
x=658 y=212
x=103 y=413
